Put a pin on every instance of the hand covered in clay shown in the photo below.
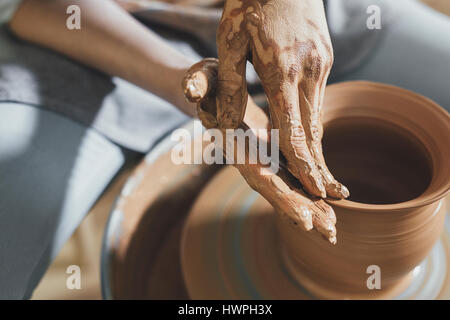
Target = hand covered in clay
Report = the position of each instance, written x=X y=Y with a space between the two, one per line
x=288 y=43
x=282 y=190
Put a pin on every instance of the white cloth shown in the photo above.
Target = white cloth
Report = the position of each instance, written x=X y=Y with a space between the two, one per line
x=7 y=9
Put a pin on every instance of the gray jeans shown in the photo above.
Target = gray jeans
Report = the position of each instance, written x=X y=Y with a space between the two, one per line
x=415 y=55
x=52 y=170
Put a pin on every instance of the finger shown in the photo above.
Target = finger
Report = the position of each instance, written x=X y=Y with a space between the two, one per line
x=323 y=217
x=199 y=86
x=311 y=98
x=294 y=206
x=200 y=79
x=324 y=220
x=291 y=202
x=285 y=116
x=232 y=48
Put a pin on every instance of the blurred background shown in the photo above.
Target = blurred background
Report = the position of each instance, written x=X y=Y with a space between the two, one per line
x=84 y=247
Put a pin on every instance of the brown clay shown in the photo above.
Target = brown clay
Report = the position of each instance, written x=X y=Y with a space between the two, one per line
x=396 y=155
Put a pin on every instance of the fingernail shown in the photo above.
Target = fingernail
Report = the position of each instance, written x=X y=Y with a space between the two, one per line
x=305 y=218
x=332 y=240
x=321 y=187
x=344 y=192
x=338 y=191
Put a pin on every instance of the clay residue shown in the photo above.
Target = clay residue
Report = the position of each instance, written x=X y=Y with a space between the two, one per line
x=293 y=57
x=282 y=190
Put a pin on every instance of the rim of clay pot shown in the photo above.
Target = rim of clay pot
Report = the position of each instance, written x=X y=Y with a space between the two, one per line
x=439 y=113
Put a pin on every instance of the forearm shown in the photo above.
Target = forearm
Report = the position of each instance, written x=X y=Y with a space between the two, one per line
x=110 y=40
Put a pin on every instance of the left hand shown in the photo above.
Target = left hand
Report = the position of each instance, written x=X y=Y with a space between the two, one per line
x=280 y=189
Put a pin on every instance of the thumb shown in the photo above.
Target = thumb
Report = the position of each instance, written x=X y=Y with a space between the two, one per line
x=199 y=86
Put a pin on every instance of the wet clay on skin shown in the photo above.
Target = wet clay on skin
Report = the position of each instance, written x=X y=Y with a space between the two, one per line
x=293 y=56
x=282 y=189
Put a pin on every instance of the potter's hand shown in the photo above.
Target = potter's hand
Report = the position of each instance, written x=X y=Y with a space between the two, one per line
x=288 y=43
x=282 y=190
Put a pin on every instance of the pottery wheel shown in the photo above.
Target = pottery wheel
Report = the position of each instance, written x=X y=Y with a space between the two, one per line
x=229 y=250
x=229 y=247
x=140 y=254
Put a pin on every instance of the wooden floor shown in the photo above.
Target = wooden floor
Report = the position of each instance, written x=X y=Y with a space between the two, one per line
x=83 y=248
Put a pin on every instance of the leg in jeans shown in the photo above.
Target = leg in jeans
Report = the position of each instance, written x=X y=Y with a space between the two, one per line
x=52 y=170
x=414 y=55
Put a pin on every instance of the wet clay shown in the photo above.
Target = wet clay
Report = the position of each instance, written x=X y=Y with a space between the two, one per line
x=387 y=143
x=281 y=261
x=281 y=189
x=379 y=162
x=396 y=237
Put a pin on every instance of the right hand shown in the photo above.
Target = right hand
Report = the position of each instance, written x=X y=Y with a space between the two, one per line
x=288 y=43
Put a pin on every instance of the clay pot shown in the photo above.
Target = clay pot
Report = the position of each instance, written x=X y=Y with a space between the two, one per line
x=390 y=147
x=231 y=247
